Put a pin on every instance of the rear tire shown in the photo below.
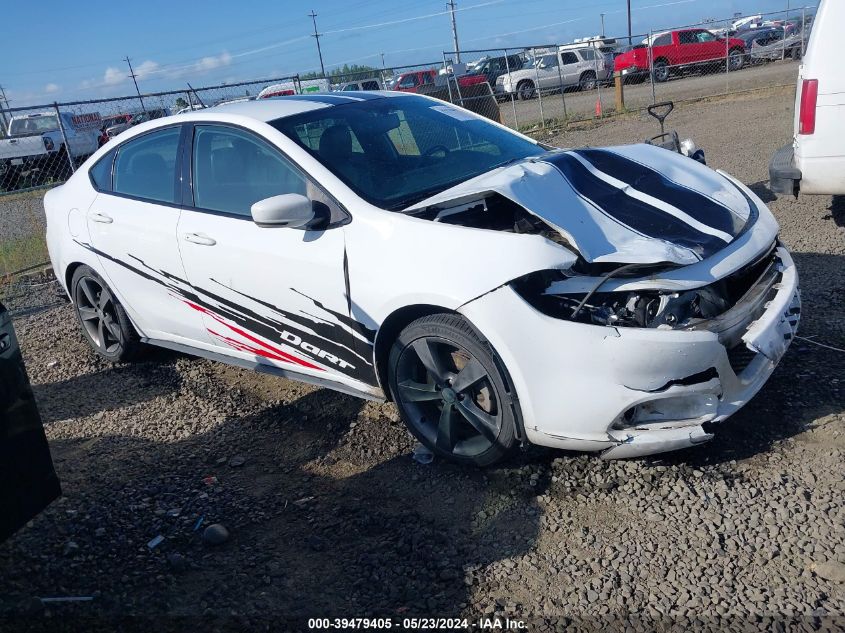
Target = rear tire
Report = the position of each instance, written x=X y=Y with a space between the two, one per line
x=103 y=321
x=587 y=81
x=525 y=90
x=451 y=391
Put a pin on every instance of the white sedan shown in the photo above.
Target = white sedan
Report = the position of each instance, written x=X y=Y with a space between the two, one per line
x=398 y=248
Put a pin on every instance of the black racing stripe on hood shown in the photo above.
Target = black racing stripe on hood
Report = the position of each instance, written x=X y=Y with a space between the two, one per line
x=636 y=215
x=650 y=181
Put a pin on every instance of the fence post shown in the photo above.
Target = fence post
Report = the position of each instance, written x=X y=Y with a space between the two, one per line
x=513 y=103
x=619 y=85
x=727 y=57
x=448 y=80
x=596 y=54
x=539 y=91
x=560 y=80
x=651 y=66
x=64 y=138
x=803 y=29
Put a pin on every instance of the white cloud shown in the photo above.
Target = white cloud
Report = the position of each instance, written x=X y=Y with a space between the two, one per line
x=146 y=69
x=210 y=63
x=113 y=76
x=51 y=88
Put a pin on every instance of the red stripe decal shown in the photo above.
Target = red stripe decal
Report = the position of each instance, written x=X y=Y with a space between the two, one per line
x=268 y=352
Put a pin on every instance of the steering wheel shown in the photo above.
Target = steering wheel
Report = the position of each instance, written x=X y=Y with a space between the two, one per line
x=431 y=151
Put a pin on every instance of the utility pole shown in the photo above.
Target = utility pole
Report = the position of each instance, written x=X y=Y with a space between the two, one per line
x=382 y=61
x=602 y=24
x=316 y=36
x=629 y=22
x=132 y=74
x=451 y=5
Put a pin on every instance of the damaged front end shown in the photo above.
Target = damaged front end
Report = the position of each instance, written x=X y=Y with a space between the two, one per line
x=677 y=306
x=749 y=316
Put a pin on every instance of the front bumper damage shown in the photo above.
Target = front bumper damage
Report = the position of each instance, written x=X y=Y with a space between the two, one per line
x=630 y=392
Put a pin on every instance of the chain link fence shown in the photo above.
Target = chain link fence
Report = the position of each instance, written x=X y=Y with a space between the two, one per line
x=531 y=88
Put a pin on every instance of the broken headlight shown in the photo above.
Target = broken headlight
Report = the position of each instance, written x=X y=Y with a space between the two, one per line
x=641 y=308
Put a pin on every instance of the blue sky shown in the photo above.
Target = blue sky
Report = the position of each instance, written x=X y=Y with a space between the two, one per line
x=71 y=50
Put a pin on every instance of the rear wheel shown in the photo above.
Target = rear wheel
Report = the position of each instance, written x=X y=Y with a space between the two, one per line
x=103 y=320
x=525 y=89
x=587 y=81
x=451 y=391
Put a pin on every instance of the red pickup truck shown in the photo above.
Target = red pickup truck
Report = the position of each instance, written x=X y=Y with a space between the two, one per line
x=412 y=81
x=676 y=51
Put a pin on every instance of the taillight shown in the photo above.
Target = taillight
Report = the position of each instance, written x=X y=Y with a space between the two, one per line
x=807 y=113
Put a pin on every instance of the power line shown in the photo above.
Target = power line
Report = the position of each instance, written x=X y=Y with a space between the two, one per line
x=132 y=74
x=451 y=5
x=317 y=37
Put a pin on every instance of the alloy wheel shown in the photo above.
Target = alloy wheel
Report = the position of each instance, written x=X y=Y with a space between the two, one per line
x=95 y=306
x=449 y=397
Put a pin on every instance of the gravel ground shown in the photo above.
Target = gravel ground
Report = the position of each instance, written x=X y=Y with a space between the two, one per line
x=328 y=514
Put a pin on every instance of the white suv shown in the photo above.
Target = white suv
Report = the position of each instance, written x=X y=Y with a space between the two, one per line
x=570 y=67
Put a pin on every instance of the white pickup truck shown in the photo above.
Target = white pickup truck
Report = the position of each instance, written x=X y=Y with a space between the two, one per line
x=34 y=148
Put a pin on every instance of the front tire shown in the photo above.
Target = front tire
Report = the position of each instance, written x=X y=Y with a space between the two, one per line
x=736 y=59
x=104 y=322
x=661 y=71
x=451 y=391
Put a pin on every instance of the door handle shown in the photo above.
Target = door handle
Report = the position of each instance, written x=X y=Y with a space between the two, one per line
x=102 y=218
x=200 y=238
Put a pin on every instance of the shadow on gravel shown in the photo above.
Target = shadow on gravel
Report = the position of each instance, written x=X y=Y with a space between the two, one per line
x=837 y=210
x=312 y=535
x=762 y=191
x=111 y=389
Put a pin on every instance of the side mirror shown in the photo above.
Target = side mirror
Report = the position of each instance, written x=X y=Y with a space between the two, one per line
x=290 y=210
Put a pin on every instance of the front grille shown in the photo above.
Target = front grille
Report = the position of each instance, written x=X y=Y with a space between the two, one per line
x=740 y=357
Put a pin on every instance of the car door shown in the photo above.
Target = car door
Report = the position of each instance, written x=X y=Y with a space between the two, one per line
x=28 y=481
x=689 y=50
x=570 y=68
x=268 y=295
x=710 y=46
x=132 y=228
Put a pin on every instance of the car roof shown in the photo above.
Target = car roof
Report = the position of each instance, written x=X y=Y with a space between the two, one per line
x=274 y=108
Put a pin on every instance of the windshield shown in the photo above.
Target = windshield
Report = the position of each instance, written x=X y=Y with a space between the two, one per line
x=394 y=152
x=34 y=125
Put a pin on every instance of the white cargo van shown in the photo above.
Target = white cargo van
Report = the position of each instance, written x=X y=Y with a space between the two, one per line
x=815 y=160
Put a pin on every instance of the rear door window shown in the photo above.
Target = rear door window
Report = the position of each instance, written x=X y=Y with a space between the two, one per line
x=100 y=173
x=568 y=58
x=146 y=166
x=687 y=37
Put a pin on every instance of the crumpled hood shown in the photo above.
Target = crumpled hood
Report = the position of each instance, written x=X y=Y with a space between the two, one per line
x=626 y=204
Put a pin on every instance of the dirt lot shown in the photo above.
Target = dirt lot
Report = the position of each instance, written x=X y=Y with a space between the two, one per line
x=330 y=516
